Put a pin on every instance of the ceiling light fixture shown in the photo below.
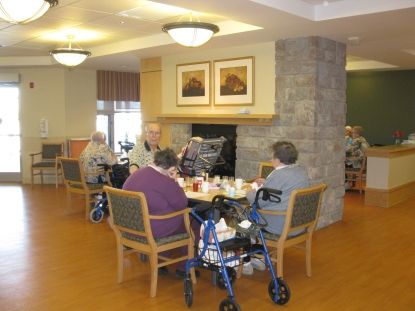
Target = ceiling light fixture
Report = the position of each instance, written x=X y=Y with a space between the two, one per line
x=22 y=11
x=68 y=56
x=190 y=34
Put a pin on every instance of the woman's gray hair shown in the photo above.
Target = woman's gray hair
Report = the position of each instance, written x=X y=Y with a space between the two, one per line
x=98 y=137
x=285 y=151
x=166 y=158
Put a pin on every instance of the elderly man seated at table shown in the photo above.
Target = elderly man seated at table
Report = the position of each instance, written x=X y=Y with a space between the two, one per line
x=96 y=152
x=143 y=153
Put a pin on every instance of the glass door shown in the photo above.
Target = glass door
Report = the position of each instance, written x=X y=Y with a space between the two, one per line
x=9 y=134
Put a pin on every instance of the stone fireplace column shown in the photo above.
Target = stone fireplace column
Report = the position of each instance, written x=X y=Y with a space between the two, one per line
x=310 y=103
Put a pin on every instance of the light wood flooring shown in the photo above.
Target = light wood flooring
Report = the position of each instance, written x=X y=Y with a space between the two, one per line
x=52 y=259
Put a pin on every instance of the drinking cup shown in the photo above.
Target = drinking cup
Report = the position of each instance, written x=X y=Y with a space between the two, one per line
x=205 y=187
x=180 y=181
x=195 y=185
x=238 y=183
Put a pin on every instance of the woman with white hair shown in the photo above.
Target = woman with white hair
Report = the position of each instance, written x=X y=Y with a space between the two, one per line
x=96 y=152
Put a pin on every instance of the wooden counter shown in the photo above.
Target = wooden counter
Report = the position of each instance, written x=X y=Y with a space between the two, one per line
x=390 y=175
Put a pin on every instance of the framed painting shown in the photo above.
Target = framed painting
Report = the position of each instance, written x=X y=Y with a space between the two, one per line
x=193 y=84
x=234 y=81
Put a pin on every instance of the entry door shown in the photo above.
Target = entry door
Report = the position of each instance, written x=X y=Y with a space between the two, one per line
x=9 y=134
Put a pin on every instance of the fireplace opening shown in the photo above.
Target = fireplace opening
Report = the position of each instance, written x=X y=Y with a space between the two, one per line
x=229 y=147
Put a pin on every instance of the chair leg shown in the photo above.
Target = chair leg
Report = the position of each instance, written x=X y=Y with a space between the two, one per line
x=191 y=254
x=32 y=177
x=308 y=256
x=280 y=261
x=120 y=262
x=87 y=206
x=41 y=177
x=153 y=275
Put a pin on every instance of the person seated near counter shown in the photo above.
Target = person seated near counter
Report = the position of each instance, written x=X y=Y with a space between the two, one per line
x=143 y=153
x=96 y=152
x=164 y=195
x=355 y=152
x=348 y=135
x=287 y=177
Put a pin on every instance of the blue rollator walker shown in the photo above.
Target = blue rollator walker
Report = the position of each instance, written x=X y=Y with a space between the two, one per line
x=235 y=250
x=118 y=173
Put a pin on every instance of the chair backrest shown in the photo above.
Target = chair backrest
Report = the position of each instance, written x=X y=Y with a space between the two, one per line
x=72 y=171
x=51 y=150
x=265 y=168
x=304 y=209
x=129 y=214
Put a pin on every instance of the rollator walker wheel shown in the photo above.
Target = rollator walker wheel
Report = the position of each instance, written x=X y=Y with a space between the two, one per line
x=283 y=295
x=229 y=305
x=96 y=215
x=188 y=292
x=220 y=281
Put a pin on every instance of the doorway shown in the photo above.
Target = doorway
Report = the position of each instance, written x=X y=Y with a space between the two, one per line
x=10 y=170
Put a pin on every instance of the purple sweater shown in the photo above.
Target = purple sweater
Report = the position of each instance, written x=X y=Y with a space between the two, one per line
x=163 y=196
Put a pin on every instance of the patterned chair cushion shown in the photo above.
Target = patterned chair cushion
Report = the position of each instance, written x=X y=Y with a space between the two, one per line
x=44 y=164
x=51 y=151
x=127 y=212
x=159 y=241
x=305 y=209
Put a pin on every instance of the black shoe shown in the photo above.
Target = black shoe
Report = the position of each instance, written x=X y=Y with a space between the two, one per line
x=182 y=274
x=163 y=271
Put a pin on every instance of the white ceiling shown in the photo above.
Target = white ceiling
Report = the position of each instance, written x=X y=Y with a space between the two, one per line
x=379 y=33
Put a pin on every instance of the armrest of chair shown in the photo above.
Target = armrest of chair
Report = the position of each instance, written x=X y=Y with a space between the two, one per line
x=32 y=155
x=268 y=212
x=171 y=215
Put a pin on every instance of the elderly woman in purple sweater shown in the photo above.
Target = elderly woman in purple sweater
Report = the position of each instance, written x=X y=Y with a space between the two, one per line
x=158 y=183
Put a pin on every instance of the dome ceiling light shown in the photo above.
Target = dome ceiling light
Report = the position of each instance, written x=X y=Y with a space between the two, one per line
x=69 y=56
x=23 y=11
x=190 y=34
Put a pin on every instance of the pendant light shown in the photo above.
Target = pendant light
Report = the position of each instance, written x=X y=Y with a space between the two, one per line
x=69 y=56
x=190 y=34
x=23 y=11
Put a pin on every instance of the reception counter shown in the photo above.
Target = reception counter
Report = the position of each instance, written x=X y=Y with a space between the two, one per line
x=390 y=175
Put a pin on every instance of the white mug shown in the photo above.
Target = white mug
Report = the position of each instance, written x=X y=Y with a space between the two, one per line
x=205 y=187
x=238 y=183
x=180 y=181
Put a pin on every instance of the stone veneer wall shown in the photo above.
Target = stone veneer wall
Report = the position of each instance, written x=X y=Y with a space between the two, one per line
x=310 y=102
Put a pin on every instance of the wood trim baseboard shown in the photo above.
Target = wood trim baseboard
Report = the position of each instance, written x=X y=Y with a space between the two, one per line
x=389 y=197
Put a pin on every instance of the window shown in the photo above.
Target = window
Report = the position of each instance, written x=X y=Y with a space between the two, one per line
x=120 y=120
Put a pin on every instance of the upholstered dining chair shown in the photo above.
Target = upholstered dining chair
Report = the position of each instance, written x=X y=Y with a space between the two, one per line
x=265 y=168
x=356 y=177
x=46 y=160
x=302 y=215
x=74 y=180
x=130 y=220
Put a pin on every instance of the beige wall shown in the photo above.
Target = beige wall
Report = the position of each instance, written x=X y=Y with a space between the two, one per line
x=264 y=81
x=65 y=97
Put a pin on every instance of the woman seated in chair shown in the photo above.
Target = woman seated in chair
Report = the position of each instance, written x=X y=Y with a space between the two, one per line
x=287 y=176
x=96 y=152
x=163 y=194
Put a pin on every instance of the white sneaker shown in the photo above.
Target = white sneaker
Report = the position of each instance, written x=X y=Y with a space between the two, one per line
x=247 y=269
x=258 y=264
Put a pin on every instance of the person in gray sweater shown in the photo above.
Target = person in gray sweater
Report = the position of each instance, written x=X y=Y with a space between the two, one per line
x=287 y=176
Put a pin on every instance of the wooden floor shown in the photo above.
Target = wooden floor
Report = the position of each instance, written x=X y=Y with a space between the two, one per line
x=52 y=259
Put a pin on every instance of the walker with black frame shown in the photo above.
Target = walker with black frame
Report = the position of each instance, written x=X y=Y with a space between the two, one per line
x=218 y=252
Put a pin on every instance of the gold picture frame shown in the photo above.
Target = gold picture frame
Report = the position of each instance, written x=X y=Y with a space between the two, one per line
x=193 y=84
x=234 y=81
